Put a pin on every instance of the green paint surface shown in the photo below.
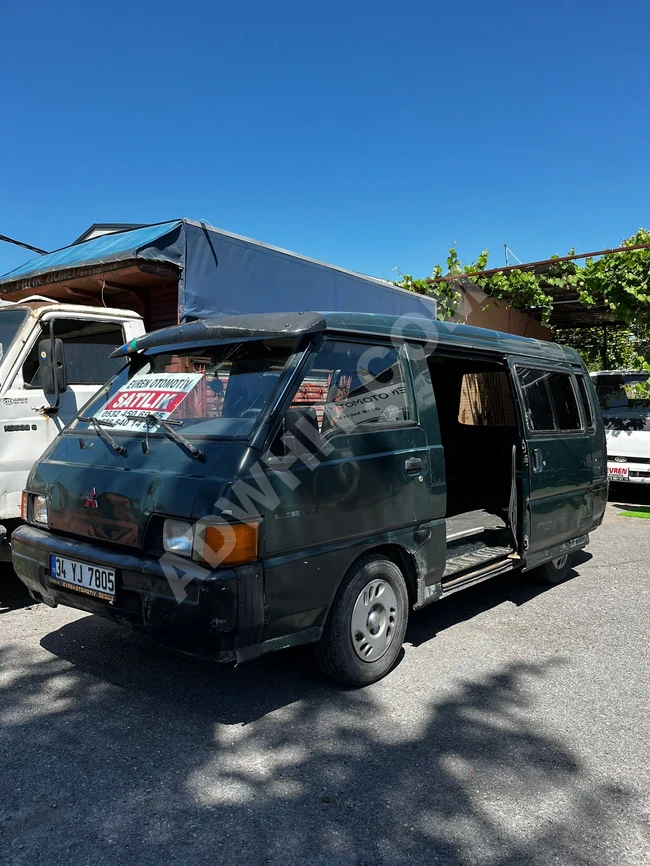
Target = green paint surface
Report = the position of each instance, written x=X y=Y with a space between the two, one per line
x=642 y=512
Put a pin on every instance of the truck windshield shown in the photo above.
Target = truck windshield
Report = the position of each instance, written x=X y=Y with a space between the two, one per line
x=621 y=391
x=10 y=322
x=205 y=391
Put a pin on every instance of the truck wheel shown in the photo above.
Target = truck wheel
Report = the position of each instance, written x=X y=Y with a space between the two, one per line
x=365 y=628
x=555 y=571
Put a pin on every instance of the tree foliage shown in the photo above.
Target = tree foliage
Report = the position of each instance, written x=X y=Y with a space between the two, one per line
x=609 y=347
x=620 y=282
x=446 y=293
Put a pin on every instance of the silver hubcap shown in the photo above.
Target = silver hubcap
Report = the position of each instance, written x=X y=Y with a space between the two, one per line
x=373 y=620
x=559 y=563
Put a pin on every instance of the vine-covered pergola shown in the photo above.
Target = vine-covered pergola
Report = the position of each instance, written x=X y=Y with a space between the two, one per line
x=598 y=301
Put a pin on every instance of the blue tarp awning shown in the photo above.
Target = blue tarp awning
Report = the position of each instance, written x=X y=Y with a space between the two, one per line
x=225 y=274
x=105 y=249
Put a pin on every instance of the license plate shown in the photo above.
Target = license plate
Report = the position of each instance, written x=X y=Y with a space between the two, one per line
x=89 y=579
x=618 y=473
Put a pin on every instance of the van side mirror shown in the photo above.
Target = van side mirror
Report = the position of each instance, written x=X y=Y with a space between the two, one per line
x=51 y=364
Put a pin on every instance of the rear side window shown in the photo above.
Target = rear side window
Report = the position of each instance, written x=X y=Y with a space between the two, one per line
x=537 y=399
x=550 y=400
x=586 y=402
x=564 y=402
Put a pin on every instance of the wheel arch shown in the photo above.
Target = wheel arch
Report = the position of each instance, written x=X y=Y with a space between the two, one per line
x=403 y=559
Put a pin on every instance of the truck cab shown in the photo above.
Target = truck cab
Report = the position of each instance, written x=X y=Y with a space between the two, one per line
x=624 y=398
x=30 y=418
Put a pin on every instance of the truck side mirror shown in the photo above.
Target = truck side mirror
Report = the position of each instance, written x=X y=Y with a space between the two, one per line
x=51 y=363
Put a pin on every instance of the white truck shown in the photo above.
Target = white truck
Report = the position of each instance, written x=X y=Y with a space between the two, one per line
x=626 y=416
x=30 y=418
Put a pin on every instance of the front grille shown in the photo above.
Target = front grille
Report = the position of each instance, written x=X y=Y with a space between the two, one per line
x=623 y=460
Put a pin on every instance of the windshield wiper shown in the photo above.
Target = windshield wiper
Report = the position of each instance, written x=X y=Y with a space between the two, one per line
x=98 y=424
x=152 y=419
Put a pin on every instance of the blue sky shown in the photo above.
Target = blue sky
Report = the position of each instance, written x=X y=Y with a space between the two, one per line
x=368 y=134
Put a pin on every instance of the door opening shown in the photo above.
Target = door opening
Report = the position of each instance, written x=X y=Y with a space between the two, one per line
x=479 y=433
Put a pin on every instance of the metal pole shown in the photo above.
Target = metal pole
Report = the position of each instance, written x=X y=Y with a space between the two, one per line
x=529 y=265
x=9 y=240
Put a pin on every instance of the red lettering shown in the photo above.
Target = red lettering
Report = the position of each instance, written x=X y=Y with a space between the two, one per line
x=164 y=400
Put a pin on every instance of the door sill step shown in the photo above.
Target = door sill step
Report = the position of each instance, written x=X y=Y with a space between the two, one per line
x=473 y=559
x=478 y=575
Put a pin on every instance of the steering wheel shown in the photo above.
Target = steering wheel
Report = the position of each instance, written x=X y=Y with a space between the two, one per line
x=249 y=413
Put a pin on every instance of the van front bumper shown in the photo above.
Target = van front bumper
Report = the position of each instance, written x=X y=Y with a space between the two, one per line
x=215 y=613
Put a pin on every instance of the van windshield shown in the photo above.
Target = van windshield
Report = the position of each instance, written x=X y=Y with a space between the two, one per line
x=204 y=391
x=10 y=322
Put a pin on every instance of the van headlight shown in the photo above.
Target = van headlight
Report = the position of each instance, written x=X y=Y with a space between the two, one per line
x=39 y=509
x=213 y=542
x=178 y=537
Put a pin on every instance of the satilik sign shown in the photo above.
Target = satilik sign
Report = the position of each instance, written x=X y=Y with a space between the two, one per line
x=157 y=394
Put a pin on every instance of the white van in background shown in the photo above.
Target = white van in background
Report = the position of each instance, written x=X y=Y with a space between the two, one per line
x=626 y=416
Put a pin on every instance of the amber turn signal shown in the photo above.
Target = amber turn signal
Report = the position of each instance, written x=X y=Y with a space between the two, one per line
x=23 y=506
x=227 y=543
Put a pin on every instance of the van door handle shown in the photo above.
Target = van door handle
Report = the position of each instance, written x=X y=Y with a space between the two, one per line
x=538 y=463
x=413 y=464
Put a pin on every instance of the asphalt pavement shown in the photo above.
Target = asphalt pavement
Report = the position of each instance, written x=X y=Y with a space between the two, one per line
x=513 y=731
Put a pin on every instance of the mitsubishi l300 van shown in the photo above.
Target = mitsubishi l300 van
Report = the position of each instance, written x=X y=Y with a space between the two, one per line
x=256 y=482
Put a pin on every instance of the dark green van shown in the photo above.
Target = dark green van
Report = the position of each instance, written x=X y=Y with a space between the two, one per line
x=251 y=483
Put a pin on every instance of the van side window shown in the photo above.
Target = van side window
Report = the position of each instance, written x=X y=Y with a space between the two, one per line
x=564 y=401
x=586 y=402
x=550 y=399
x=486 y=400
x=86 y=347
x=353 y=385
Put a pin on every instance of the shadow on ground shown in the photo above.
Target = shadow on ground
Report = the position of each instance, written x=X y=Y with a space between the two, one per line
x=513 y=587
x=114 y=751
x=622 y=496
x=13 y=594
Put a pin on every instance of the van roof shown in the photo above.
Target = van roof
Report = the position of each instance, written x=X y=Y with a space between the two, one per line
x=264 y=325
x=619 y=373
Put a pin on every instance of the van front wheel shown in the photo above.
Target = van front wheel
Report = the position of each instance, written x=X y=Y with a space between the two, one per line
x=365 y=629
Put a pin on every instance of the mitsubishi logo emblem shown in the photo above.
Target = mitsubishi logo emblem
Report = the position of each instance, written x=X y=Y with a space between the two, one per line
x=91 y=502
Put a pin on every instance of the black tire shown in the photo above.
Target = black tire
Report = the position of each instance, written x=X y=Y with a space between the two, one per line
x=335 y=652
x=555 y=571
